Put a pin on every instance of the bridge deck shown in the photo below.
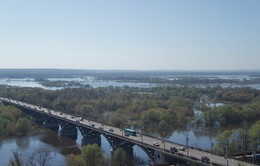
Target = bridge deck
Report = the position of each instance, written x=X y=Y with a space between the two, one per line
x=194 y=155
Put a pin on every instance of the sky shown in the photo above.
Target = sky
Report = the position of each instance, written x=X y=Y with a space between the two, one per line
x=130 y=34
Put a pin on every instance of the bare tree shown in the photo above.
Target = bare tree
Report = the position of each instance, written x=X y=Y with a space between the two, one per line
x=17 y=159
x=42 y=156
x=30 y=160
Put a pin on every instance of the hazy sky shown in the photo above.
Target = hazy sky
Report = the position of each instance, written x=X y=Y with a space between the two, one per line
x=130 y=34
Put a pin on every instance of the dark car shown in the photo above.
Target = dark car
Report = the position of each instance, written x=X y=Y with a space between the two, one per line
x=101 y=128
x=111 y=130
x=205 y=159
x=173 y=150
x=93 y=125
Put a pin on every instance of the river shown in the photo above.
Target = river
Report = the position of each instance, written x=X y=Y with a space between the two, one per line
x=59 y=147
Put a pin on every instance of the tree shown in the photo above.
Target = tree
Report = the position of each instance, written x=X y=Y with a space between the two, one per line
x=118 y=120
x=39 y=157
x=42 y=156
x=87 y=110
x=17 y=159
x=75 y=160
x=222 y=141
x=254 y=134
x=119 y=158
x=93 y=155
x=23 y=126
x=232 y=139
x=151 y=118
x=10 y=129
x=164 y=129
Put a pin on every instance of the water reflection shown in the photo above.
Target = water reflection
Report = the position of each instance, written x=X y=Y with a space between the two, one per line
x=196 y=139
x=23 y=142
x=63 y=144
x=27 y=145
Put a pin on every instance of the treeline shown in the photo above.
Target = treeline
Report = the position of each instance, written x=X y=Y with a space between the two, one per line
x=12 y=123
x=58 y=83
x=178 y=79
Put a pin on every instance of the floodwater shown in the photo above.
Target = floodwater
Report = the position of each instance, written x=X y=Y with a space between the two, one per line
x=29 y=144
x=29 y=82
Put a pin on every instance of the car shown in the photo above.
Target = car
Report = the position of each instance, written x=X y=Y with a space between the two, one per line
x=111 y=130
x=92 y=125
x=72 y=117
x=101 y=128
x=127 y=135
x=182 y=148
x=60 y=113
x=173 y=150
x=205 y=159
x=81 y=119
x=156 y=144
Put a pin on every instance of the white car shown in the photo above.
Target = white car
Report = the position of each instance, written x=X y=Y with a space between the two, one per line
x=182 y=148
x=156 y=144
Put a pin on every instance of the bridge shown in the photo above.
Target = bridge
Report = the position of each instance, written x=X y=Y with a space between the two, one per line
x=159 y=151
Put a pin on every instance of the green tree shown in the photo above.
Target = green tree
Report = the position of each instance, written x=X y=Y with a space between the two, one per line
x=87 y=110
x=23 y=126
x=93 y=155
x=119 y=158
x=233 y=139
x=151 y=118
x=7 y=115
x=10 y=129
x=254 y=134
x=75 y=160
x=222 y=141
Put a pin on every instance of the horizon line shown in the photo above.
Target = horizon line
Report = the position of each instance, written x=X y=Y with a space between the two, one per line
x=143 y=70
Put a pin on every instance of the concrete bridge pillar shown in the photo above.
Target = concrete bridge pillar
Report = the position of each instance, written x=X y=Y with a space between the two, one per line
x=127 y=158
x=51 y=123
x=39 y=119
x=69 y=130
x=90 y=136
x=117 y=143
x=129 y=153
x=93 y=138
x=158 y=158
